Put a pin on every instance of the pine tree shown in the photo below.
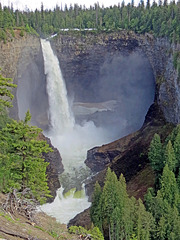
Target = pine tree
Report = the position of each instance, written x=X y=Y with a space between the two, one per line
x=144 y=222
x=176 y=147
x=110 y=197
x=5 y=92
x=126 y=208
x=169 y=224
x=170 y=157
x=169 y=189
x=24 y=150
x=96 y=208
x=155 y=154
x=116 y=207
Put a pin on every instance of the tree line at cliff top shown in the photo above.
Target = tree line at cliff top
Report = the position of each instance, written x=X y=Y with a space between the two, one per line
x=161 y=19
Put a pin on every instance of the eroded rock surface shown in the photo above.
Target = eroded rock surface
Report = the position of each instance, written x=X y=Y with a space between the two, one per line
x=54 y=168
x=132 y=150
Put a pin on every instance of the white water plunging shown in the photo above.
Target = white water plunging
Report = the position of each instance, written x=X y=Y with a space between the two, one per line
x=59 y=111
x=72 y=141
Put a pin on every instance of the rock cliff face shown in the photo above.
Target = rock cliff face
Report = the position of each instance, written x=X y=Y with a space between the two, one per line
x=160 y=54
x=96 y=68
x=87 y=58
x=130 y=152
x=21 y=59
x=54 y=168
x=101 y=68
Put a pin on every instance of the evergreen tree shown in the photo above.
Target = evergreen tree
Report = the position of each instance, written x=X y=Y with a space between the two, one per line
x=155 y=154
x=144 y=222
x=169 y=224
x=110 y=197
x=176 y=147
x=169 y=189
x=170 y=158
x=5 y=92
x=96 y=208
x=26 y=167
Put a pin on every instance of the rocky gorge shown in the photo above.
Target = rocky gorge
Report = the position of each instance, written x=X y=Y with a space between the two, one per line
x=86 y=54
x=86 y=59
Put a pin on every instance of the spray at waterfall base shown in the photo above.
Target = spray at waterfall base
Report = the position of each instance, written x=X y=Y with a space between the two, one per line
x=72 y=141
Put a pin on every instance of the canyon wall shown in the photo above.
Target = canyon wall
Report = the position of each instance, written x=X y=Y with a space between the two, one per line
x=21 y=59
x=108 y=68
x=94 y=67
x=86 y=58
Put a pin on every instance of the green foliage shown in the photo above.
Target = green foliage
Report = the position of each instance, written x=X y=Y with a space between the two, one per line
x=169 y=189
x=155 y=155
x=169 y=157
x=144 y=222
x=95 y=210
x=4 y=118
x=3 y=35
x=94 y=233
x=114 y=212
x=167 y=153
x=22 y=33
x=160 y=20
x=165 y=205
x=176 y=57
x=21 y=162
x=78 y=230
x=5 y=92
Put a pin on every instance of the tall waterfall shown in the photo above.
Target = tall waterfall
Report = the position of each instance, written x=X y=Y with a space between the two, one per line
x=72 y=141
x=59 y=110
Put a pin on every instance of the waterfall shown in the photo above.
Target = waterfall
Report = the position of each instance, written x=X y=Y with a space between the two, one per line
x=72 y=141
x=59 y=110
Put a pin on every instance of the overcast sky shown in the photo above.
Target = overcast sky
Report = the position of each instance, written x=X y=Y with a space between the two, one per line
x=50 y=4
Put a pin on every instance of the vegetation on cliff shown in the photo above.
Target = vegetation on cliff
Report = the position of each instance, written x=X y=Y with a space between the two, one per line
x=21 y=162
x=161 y=19
x=5 y=93
x=23 y=180
x=121 y=217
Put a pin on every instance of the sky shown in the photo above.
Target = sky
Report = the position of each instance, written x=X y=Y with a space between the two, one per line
x=50 y=4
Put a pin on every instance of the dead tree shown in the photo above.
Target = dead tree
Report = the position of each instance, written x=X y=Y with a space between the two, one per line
x=22 y=203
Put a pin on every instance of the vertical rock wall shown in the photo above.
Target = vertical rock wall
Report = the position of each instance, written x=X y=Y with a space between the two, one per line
x=21 y=59
x=81 y=56
x=160 y=54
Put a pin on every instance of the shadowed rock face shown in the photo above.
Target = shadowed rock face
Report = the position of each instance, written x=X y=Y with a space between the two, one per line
x=22 y=60
x=54 y=168
x=86 y=62
x=128 y=155
x=31 y=91
x=106 y=68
